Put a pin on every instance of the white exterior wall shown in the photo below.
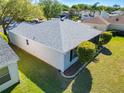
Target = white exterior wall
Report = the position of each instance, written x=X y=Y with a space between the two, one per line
x=13 y=71
x=67 y=62
x=100 y=27
x=50 y=56
x=117 y=27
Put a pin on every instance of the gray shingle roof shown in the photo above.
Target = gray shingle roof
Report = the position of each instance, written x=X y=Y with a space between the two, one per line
x=56 y=34
x=7 y=55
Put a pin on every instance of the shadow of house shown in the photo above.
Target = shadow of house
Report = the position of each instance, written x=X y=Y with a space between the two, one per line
x=43 y=75
x=84 y=80
x=106 y=51
x=48 y=78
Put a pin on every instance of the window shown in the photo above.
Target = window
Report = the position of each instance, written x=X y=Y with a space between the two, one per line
x=73 y=54
x=4 y=75
x=86 y=15
x=27 y=42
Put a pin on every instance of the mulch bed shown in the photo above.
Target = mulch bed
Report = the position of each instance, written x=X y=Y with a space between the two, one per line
x=73 y=69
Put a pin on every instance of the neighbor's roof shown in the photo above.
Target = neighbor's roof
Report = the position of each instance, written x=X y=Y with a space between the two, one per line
x=116 y=19
x=7 y=55
x=96 y=20
x=56 y=34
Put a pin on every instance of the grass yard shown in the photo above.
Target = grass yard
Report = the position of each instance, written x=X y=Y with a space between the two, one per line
x=1 y=28
x=106 y=76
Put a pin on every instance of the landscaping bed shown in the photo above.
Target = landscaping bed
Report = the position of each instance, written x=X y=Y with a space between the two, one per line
x=73 y=69
x=76 y=68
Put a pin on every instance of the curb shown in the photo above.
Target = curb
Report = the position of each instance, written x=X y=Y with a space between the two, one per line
x=72 y=76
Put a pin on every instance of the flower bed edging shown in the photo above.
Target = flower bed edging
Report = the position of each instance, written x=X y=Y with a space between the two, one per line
x=72 y=76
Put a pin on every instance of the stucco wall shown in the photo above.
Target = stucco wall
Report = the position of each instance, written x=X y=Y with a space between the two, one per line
x=100 y=27
x=50 y=56
x=13 y=71
x=119 y=27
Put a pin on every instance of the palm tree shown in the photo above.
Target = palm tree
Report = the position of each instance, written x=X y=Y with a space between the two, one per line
x=94 y=7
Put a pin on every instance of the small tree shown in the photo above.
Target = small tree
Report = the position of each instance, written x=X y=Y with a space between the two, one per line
x=72 y=12
x=94 y=7
x=15 y=10
x=51 y=8
x=75 y=18
x=86 y=51
x=65 y=7
x=105 y=37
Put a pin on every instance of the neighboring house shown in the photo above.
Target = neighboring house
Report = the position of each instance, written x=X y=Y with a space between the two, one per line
x=89 y=14
x=97 y=13
x=86 y=14
x=98 y=23
x=8 y=66
x=116 y=23
x=104 y=14
x=117 y=13
x=65 y=14
x=53 y=41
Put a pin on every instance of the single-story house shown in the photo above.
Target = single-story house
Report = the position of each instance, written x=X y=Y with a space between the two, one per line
x=117 y=24
x=117 y=13
x=85 y=14
x=104 y=14
x=65 y=14
x=53 y=41
x=98 y=23
x=8 y=66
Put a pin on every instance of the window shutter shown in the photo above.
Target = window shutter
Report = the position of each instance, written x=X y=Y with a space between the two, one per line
x=71 y=55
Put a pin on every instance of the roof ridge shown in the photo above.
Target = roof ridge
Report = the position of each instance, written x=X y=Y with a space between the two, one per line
x=105 y=21
x=61 y=34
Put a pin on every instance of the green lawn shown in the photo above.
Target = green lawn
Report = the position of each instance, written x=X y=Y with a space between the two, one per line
x=106 y=76
x=1 y=27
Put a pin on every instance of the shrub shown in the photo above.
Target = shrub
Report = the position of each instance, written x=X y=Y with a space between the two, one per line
x=75 y=18
x=4 y=37
x=86 y=51
x=105 y=38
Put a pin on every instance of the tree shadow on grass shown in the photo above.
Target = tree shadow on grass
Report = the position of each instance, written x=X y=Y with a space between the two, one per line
x=48 y=78
x=106 y=51
x=83 y=82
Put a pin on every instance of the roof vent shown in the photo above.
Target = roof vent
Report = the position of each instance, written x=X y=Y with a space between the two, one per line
x=117 y=19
